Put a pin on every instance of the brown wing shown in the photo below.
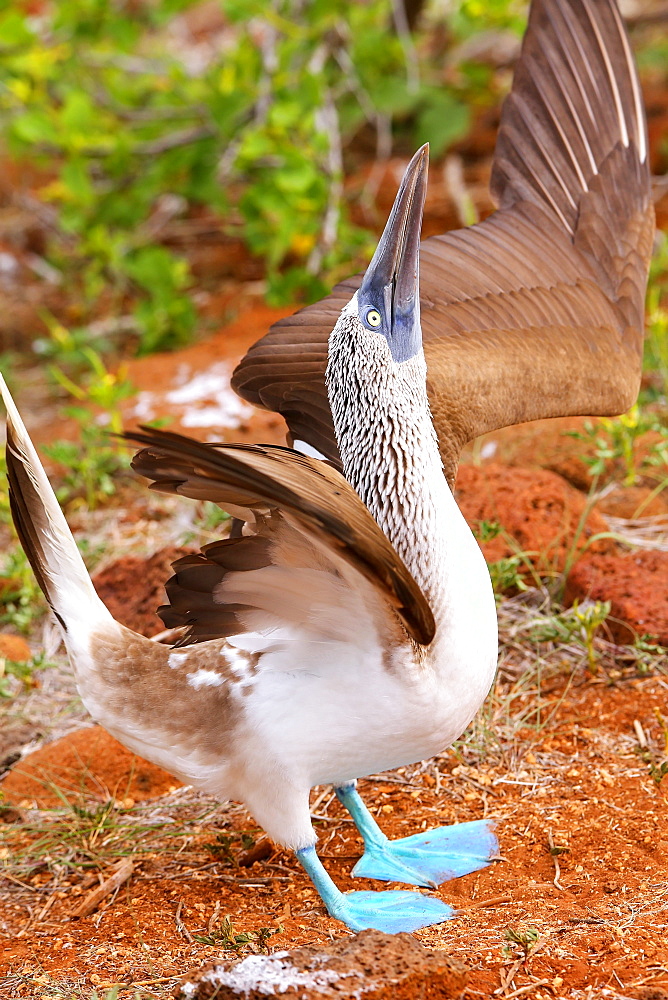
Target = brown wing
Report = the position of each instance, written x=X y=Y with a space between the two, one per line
x=538 y=311
x=266 y=485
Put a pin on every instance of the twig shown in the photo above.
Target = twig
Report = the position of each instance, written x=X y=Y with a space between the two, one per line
x=214 y=918
x=265 y=96
x=17 y=881
x=408 y=45
x=37 y=918
x=527 y=989
x=507 y=974
x=555 y=862
x=180 y=926
x=492 y=901
x=148 y=982
x=640 y=733
x=329 y=819
x=121 y=874
x=327 y=121
x=182 y=137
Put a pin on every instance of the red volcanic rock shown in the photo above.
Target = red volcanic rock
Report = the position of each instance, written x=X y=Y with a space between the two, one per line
x=374 y=965
x=635 y=583
x=543 y=515
x=14 y=648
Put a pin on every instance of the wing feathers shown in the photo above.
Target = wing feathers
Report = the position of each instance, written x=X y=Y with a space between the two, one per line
x=515 y=309
x=266 y=483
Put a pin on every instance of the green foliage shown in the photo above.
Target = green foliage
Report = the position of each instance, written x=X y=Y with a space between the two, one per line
x=222 y=846
x=213 y=518
x=656 y=342
x=589 y=617
x=101 y=95
x=487 y=530
x=614 y=440
x=23 y=672
x=226 y=936
x=21 y=599
x=91 y=464
x=579 y=623
x=474 y=16
x=526 y=938
x=507 y=574
x=649 y=654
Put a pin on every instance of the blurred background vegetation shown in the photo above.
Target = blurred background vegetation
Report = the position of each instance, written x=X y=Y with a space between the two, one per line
x=137 y=116
x=140 y=113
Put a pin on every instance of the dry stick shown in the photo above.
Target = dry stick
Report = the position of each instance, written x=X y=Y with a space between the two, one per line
x=24 y=885
x=555 y=862
x=527 y=989
x=121 y=874
x=214 y=918
x=507 y=974
x=180 y=926
x=640 y=734
x=492 y=901
x=122 y=987
x=37 y=918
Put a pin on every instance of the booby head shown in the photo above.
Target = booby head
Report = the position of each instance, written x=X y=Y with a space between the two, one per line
x=386 y=308
x=376 y=378
x=388 y=300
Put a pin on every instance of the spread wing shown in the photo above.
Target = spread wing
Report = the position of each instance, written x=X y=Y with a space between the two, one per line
x=299 y=514
x=538 y=310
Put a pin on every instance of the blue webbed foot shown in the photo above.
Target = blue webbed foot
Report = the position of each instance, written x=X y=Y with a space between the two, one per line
x=392 y=911
x=431 y=857
x=427 y=858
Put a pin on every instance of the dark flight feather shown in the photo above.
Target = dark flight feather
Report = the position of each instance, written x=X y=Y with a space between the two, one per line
x=537 y=311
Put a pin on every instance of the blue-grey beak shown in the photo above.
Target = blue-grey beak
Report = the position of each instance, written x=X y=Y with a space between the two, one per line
x=391 y=283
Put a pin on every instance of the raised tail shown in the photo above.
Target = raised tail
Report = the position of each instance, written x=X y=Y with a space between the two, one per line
x=45 y=534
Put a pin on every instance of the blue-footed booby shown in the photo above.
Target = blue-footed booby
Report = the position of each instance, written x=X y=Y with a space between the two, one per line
x=350 y=627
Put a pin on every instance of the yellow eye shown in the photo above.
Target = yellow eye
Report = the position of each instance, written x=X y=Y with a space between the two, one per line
x=373 y=317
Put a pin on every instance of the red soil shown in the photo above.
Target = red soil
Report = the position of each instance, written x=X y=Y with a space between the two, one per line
x=88 y=763
x=580 y=780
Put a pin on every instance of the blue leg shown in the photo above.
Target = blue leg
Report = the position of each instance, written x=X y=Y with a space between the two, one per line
x=392 y=912
x=427 y=858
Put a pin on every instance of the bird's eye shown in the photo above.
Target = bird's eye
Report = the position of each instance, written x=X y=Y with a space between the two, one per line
x=373 y=317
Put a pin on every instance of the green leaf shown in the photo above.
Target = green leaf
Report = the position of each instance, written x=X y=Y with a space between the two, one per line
x=75 y=179
x=442 y=121
x=14 y=30
x=78 y=113
x=34 y=127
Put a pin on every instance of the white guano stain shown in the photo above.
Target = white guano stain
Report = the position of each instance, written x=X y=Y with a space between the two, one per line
x=206 y=399
x=268 y=974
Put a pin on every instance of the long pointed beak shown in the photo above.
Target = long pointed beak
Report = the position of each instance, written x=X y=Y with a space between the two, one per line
x=392 y=277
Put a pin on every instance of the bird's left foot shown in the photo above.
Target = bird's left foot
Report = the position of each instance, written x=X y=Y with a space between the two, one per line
x=393 y=912
x=431 y=857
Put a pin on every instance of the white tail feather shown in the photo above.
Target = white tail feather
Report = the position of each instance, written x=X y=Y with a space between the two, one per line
x=60 y=569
